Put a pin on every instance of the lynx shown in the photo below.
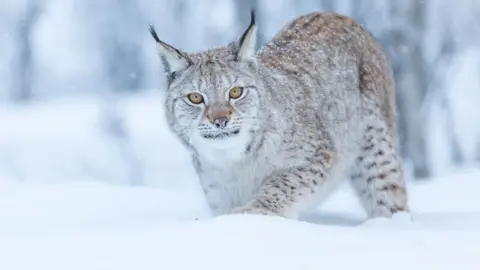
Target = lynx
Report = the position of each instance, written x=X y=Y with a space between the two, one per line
x=273 y=131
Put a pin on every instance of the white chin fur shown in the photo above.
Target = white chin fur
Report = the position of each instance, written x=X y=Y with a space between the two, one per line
x=222 y=149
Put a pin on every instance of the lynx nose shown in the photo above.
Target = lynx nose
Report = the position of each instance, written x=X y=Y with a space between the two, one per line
x=221 y=122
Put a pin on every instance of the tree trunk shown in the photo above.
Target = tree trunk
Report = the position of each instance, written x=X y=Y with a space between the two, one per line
x=22 y=89
x=411 y=79
x=122 y=48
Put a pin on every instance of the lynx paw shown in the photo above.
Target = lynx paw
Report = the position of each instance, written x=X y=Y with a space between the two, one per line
x=253 y=211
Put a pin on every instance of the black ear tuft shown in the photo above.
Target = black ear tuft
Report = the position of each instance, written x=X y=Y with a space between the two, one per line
x=252 y=17
x=248 y=41
x=173 y=60
x=252 y=24
x=154 y=33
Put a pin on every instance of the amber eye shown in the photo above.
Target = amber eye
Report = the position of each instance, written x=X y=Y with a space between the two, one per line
x=195 y=98
x=235 y=92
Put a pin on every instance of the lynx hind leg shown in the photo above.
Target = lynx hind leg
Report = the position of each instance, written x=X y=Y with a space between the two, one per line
x=378 y=174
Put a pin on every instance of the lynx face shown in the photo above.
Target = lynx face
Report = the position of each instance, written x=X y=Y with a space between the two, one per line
x=213 y=99
x=215 y=104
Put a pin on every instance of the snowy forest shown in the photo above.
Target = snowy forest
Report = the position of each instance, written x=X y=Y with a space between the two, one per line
x=92 y=178
x=80 y=81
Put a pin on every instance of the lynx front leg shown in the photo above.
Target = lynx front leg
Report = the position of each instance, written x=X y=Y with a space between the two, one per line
x=286 y=193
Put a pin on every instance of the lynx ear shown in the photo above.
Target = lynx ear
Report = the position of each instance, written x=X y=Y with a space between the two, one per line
x=172 y=59
x=248 y=41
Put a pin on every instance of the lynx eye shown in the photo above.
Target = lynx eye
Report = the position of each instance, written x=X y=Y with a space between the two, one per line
x=235 y=92
x=195 y=98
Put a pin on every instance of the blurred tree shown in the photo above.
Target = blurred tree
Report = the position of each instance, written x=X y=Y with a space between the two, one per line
x=116 y=28
x=113 y=124
x=442 y=60
x=125 y=74
x=122 y=47
x=405 y=43
x=22 y=87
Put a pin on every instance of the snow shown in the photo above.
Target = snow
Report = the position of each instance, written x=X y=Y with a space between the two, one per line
x=96 y=226
x=66 y=204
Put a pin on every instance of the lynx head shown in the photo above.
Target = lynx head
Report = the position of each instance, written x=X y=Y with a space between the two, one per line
x=213 y=97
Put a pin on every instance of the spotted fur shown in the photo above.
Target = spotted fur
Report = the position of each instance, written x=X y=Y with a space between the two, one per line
x=317 y=108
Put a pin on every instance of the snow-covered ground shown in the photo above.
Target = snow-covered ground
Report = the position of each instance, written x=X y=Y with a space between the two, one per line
x=65 y=203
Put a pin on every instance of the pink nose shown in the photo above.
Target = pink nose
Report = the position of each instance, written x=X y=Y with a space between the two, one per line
x=221 y=122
